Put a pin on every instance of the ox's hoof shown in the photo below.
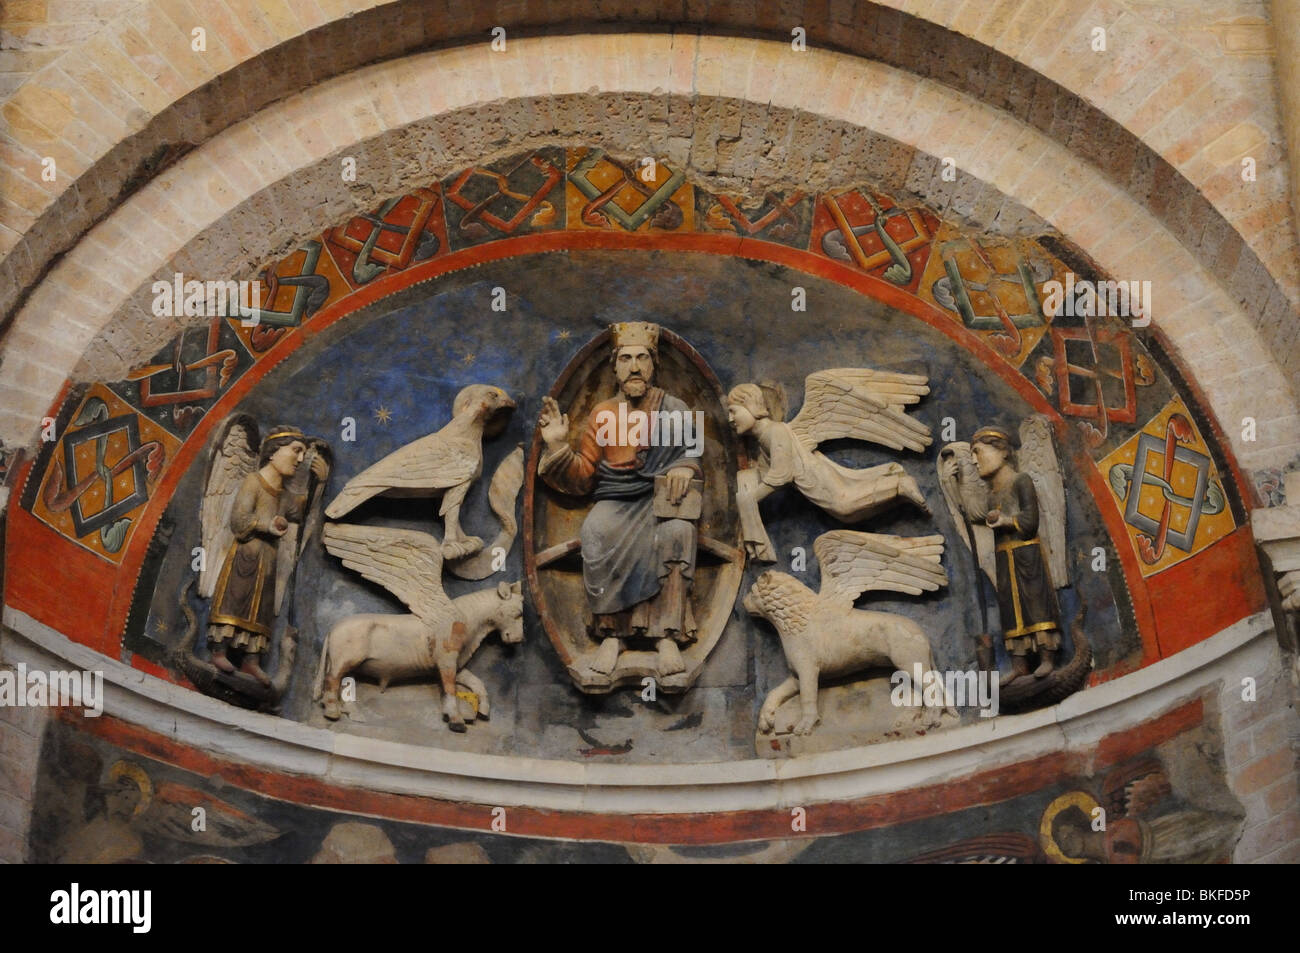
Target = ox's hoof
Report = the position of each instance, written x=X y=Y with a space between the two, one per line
x=333 y=711
x=453 y=718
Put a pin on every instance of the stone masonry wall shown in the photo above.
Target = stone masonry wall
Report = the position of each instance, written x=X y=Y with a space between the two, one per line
x=1262 y=744
x=20 y=747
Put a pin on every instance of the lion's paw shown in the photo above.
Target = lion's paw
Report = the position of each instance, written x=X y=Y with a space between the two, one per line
x=806 y=724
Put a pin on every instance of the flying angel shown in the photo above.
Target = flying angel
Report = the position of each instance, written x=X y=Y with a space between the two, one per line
x=856 y=403
x=823 y=635
x=260 y=508
x=442 y=464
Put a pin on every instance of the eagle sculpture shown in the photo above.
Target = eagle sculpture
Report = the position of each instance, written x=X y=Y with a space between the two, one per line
x=443 y=463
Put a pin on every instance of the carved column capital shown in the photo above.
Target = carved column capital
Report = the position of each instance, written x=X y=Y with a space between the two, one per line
x=1277 y=529
x=1277 y=532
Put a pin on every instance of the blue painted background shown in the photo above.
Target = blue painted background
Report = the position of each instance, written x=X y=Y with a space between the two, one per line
x=413 y=351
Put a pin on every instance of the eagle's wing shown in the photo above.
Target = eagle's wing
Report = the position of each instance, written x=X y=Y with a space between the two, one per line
x=1037 y=457
x=406 y=562
x=233 y=457
x=853 y=563
x=863 y=404
x=435 y=462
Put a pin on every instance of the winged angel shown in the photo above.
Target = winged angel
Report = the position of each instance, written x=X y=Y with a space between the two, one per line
x=129 y=808
x=1008 y=495
x=824 y=636
x=260 y=508
x=857 y=403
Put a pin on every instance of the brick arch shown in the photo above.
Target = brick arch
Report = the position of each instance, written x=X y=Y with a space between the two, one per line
x=249 y=196
x=118 y=108
x=1207 y=328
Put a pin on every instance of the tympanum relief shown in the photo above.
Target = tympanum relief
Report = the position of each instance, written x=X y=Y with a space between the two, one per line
x=730 y=544
x=642 y=515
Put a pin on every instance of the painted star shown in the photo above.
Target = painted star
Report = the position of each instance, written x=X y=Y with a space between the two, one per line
x=469 y=359
x=383 y=415
x=564 y=335
x=160 y=627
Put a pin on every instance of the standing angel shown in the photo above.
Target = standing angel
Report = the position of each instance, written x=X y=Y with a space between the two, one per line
x=1021 y=516
x=254 y=505
x=859 y=403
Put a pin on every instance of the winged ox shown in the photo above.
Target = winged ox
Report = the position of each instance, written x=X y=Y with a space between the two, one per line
x=439 y=634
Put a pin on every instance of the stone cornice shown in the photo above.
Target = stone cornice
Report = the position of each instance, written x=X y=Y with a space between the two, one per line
x=337 y=758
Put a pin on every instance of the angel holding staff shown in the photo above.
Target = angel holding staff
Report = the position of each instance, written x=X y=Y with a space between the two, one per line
x=252 y=509
x=1025 y=511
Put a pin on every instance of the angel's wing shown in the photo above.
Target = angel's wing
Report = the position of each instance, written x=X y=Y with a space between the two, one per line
x=291 y=545
x=984 y=849
x=315 y=513
x=406 y=562
x=967 y=530
x=1038 y=458
x=233 y=457
x=1135 y=787
x=853 y=563
x=863 y=404
x=897 y=390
